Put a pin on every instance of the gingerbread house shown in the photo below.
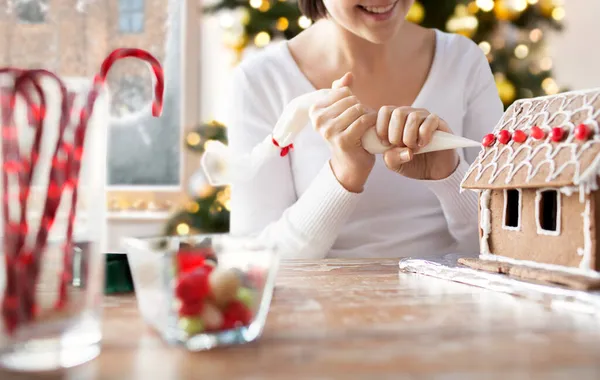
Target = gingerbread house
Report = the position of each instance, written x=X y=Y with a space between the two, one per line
x=536 y=176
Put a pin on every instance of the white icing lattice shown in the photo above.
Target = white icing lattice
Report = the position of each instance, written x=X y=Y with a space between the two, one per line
x=517 y=157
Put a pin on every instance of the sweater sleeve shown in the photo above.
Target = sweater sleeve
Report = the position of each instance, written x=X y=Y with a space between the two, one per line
x=483 y=110
x=267 y=206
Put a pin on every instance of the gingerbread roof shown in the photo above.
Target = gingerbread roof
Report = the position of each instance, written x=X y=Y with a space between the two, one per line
x=550 y=141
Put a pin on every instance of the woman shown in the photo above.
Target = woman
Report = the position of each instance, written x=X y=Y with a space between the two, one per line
x=329 y=197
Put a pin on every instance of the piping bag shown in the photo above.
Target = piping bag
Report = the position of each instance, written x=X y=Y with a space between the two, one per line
x=223 y=166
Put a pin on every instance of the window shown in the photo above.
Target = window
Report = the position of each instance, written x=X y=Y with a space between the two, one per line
x=512 y=209
x=131 y=16
x=548 y=212
x=148 y=166
x=31 y=12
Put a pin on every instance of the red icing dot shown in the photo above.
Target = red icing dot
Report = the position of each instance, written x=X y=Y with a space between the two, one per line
x=582 y=132
x=537 y=133
x=519 y=136
x=504 y=136
x=557 y=134
x=488 y=140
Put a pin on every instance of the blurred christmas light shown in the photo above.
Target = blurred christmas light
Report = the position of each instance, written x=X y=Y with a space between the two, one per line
x=517 y=5
x=304 y=22
x=416 y=13
x=256 y=3
x=550 y=86
x=226 y=20
x=546 y=64
x=193 y=138
x=485 y=5
x=532 y=2
x=282 y=24
x=536 y=35
x=485 y=47
x=262 y=39
x=558 y=13
x=265 y=6
x=183 y=229
x=193 y=207
x=473 y=8
x=521 y=51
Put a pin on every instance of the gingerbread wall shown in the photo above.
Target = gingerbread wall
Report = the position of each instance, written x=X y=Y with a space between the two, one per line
x=528 y=244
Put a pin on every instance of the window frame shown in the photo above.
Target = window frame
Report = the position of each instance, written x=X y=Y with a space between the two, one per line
x=520 y=208
x=538 y=202
x=129 y=11
x=132 y=202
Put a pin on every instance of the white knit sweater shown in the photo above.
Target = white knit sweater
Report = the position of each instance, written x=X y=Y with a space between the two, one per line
x=296 y=202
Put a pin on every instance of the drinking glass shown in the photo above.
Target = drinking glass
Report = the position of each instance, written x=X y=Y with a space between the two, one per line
x=51 y=279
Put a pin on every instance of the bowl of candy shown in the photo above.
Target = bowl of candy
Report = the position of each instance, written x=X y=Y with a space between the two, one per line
x=203 y=291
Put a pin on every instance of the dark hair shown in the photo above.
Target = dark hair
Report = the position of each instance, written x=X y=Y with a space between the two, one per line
x=313 y=9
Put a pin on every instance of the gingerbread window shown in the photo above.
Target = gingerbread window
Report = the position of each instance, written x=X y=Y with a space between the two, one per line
x=548 y=212
x=512 y=209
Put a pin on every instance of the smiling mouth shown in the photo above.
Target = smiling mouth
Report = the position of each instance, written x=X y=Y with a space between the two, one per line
x=377 y=9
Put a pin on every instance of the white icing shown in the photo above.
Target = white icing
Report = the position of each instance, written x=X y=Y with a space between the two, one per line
x=523 y=119
x=537 y=265
x=518 y=227
x=538 y=198
x=486 y=220
x=586 y=251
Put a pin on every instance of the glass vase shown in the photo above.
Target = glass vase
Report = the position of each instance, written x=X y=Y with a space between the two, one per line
x=53 y=221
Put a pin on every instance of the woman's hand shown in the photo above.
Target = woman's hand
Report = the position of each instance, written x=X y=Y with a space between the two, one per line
x=342 y=121
x=407 y=130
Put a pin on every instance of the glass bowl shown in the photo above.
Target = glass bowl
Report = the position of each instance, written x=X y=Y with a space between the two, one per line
x=203 y=291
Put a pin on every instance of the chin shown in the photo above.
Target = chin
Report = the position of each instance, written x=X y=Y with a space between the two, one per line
x=376 y=21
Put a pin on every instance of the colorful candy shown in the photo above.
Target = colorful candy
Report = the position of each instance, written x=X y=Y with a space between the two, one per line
x=210 y=298
x=504 y=137
x=582 y=132
x=488 y=140
x=537 y=133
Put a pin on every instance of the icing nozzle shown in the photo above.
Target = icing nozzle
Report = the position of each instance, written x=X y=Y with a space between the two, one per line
x=215 y=162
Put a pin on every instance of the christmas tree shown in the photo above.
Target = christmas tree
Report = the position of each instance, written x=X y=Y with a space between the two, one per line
x=510 y=33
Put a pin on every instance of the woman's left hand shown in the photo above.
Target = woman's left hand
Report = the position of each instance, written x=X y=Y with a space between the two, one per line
x=408 y=129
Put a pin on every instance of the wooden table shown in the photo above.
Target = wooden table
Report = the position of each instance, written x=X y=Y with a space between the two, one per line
x=362 y=319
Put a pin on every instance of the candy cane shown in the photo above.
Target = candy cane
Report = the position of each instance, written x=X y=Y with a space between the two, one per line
x=74 y=164
x=19 y=304
x=223 y=166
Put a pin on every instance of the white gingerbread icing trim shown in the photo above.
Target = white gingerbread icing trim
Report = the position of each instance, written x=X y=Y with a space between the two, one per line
x=523 y=116
x=538 y=201
x=537 y=265
x=520 y=208
x=486 y=220
x=586 y=251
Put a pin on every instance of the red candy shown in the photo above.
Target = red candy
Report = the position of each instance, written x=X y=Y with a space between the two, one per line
x=504 y=136
x=187 y=261
x=557 y=134
x=519 y=136
x=537 y=133
x=488 y=140
x=235 y=315
x=191 y=309
x=582 y=132
x=193 y=287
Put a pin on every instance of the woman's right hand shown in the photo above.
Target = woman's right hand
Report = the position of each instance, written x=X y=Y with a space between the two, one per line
x=342 y=121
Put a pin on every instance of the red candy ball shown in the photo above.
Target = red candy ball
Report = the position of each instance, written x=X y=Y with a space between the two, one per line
x=519 y=136
x=504 y=136
x=187 y=261
x=537 y=133
x=236 y=314
x=193 y=287
x=191 y=309
x=488 y=140
x=582 y=132
x=557 y=134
